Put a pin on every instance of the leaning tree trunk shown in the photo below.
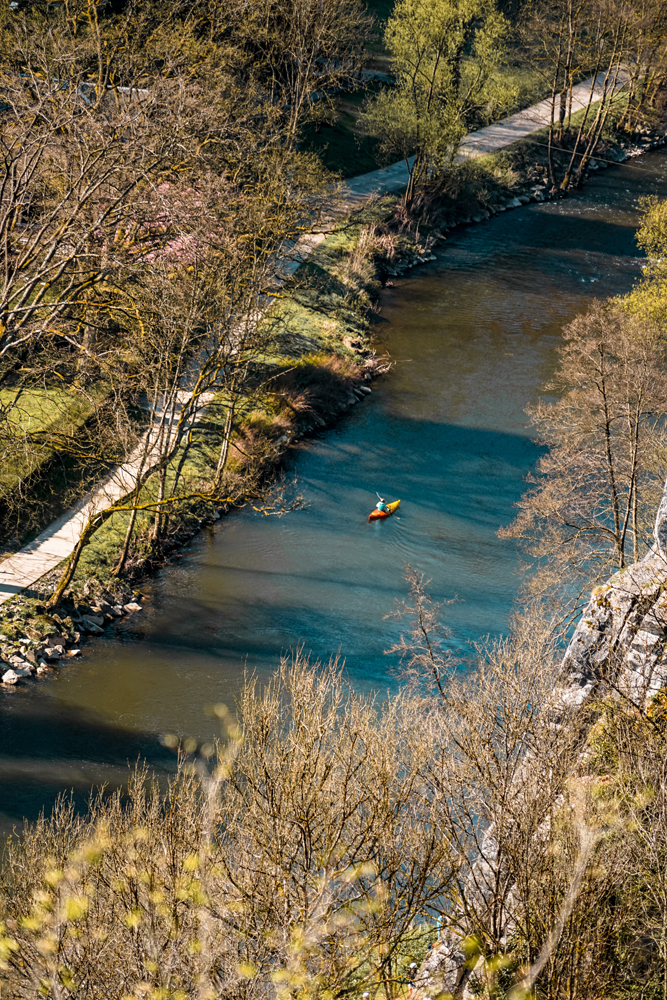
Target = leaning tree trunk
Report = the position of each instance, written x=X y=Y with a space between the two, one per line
x=120 y=565
x=158 y=522
x=224 y=451
x=95 y=522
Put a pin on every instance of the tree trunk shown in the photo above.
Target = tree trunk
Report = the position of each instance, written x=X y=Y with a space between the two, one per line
x=120 y=566
x=158 y=521
x=554 y=88
x=93 y=524
x=224 y=450
x=612 y=477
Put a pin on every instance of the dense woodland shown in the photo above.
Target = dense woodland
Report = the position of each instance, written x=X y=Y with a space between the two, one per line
x=159 y=163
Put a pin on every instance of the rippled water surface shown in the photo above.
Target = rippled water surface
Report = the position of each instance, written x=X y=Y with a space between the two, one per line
x=473 y=336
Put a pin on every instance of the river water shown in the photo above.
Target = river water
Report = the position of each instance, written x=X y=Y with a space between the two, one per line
x=473 y=336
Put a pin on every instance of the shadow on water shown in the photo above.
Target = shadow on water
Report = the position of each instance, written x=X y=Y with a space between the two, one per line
x=44 y=754
x=474 y=337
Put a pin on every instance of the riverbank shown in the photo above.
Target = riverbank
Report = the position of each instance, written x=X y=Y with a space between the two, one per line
x=322 y=364
x=479 y=189
x=473 y=336
x=323 y=360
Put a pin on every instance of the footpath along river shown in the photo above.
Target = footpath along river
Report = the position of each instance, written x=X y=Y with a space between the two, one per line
x=473 y=335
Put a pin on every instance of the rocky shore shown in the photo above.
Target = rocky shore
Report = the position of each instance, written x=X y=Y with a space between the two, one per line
x=530 y=183
x=35 y=641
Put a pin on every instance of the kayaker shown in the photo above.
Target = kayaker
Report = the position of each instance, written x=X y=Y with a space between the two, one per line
x=380 y=505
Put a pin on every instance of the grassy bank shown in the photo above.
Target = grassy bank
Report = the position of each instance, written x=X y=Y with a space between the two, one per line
x=319 y=363
x=41 y=474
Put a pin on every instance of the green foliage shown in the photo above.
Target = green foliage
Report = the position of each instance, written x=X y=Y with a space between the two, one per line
x=443 y=55
x=38 y=412
x=652 y=233
x=648 y=299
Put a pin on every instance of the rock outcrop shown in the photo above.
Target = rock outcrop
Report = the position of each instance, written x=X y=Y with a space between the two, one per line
x=620 y=642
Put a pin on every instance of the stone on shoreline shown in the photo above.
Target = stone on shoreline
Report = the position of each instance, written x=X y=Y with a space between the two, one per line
x=54 y=652
x=95 y=619
x=27 y=670
x=133 y=606
x=10 y=677
x=91 y=626
x=54 y=639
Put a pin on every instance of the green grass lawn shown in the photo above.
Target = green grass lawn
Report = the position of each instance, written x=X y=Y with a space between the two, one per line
x=40 y=410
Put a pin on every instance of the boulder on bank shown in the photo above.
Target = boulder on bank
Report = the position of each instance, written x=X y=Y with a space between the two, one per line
x=54 y=652
x=92 y=624
x=26 y=670
x=55 y=639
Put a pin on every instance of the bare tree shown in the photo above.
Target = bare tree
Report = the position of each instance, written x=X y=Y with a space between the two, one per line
x=619 y=47
x=305 y=51
x=590 y=507
x=294 y=863
x=145 y=203
x=542 y=857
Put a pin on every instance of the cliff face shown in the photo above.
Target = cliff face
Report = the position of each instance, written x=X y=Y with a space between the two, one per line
x=621 y=640
x=619 y=646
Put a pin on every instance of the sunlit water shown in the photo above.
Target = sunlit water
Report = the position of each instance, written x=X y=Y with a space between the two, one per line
x=473 y=336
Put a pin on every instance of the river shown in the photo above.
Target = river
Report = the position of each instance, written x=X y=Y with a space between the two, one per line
x=473 y=337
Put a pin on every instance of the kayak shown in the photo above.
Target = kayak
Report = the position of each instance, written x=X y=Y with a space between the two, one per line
x=378 y=514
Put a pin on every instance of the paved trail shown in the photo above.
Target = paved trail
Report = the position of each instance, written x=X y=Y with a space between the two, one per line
x=32 y=562
x=484 y=140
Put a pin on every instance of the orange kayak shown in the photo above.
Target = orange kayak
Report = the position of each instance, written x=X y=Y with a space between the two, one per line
x=378 y=514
